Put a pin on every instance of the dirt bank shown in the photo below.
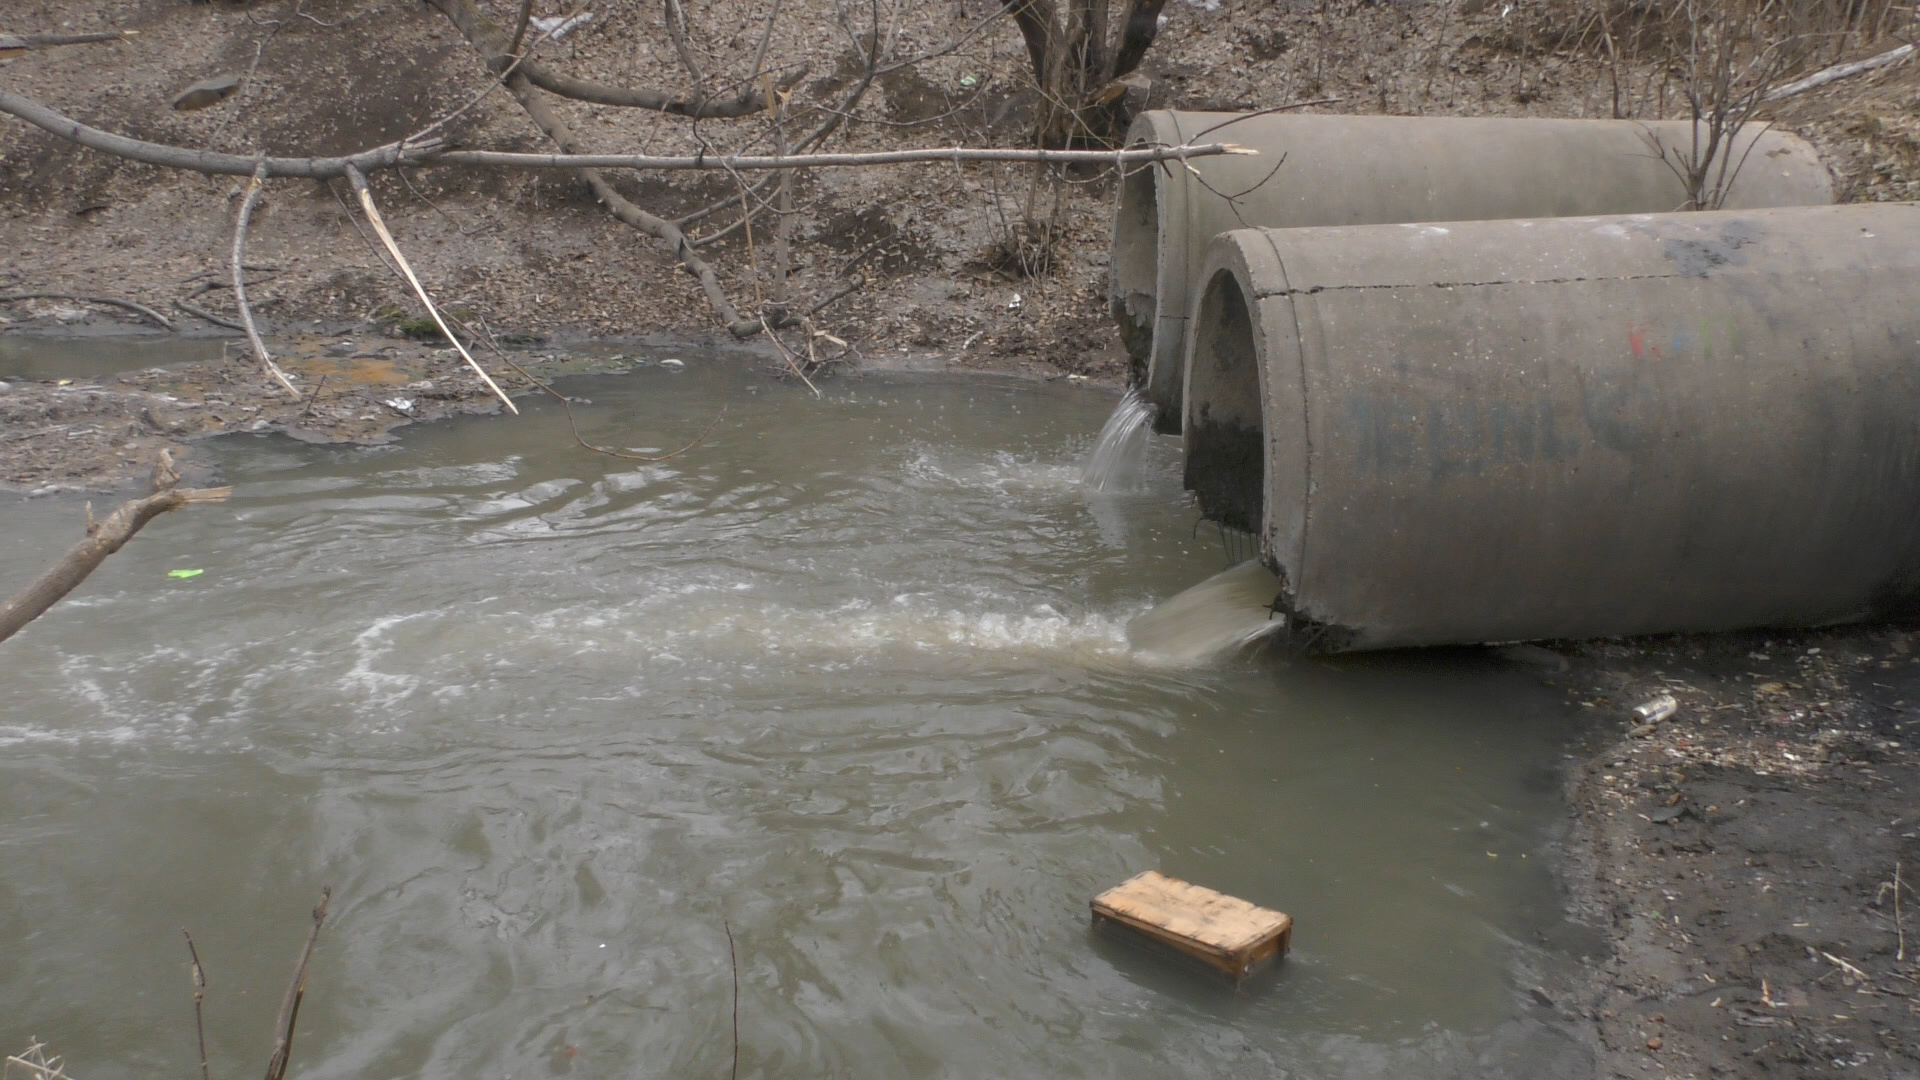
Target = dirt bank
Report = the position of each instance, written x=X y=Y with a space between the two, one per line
x=1742 y=854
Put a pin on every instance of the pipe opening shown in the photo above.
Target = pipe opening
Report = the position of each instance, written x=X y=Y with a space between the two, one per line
x=1136 y=267
x=1225 y=428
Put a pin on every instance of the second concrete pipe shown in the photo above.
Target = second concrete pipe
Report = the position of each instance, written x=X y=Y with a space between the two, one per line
x=1576 y=427
x=1369 y=170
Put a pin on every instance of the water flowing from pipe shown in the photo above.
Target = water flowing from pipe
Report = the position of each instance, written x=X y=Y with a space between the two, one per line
x=1119 y=458
x=1224 y=613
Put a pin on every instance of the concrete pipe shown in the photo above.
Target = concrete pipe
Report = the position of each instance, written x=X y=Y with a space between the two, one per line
x=1376 y=170
x=1577 y=427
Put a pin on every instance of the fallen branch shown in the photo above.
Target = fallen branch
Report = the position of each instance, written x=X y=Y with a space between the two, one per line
x=128 y=305
x=1840 y=71
x=932 y=155
x=748 y=327
x=42 y=41
x=254 y=190
x=207 y=161
x=658 y=227
x=427 y=153
x=374 y=219
x=103 y=539
x=296 y=990
x=199 y=1002
x=787 y=355
x=733 y=965
x=494 y=44
x=207 y=316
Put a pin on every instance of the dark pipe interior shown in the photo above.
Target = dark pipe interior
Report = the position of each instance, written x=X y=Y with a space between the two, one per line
x=1136 y=267
x=1225 y=431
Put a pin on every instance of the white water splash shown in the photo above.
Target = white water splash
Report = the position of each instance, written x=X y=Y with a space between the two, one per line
x=1119 y=458
x=1224 y=613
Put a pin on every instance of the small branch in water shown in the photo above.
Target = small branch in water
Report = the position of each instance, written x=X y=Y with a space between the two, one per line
x=297 y=989
x=103 y=539
x=787 y=355
x=199 y=997
x=127 y=305
x=733 y=965
x=1899 y=924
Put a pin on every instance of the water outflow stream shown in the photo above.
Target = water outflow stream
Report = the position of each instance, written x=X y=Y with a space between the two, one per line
x=851 y=678
x=1121 y=454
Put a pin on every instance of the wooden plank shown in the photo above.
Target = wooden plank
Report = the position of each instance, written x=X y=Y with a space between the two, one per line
x=1222 y=931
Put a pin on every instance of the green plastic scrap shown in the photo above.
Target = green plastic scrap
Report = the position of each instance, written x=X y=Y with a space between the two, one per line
x=185 y=573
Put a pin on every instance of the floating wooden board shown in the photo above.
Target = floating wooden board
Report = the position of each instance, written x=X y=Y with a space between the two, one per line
x=1222 y=931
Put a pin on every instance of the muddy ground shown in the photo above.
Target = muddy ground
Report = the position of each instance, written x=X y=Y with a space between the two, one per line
x=1741 y=856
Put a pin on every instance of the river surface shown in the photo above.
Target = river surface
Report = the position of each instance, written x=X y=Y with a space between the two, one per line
x=850 y=679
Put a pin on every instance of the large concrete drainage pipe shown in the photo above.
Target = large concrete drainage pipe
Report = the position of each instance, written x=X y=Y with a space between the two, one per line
x=1580 y=427
x=1370 y=170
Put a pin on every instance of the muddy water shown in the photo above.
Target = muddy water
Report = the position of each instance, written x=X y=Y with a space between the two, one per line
x=83 y=357
x=850 y=678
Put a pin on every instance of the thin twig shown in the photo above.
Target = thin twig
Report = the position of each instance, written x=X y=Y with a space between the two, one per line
x=314 y=397
x=520 y=26
x=1900 y=927
x=296 y=990
x=733 y=965
x=932 y=155
x=199 y=996
x=41 y=41
x=254 y=189
x=207 y=316
x=359 y=182
x=788 y=356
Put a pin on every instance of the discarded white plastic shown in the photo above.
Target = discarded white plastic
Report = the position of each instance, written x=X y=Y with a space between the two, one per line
x=1654 y=710
x=670 y=362
x=559 y=26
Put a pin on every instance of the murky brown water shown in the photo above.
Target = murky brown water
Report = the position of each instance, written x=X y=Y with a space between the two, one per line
x=852 y=677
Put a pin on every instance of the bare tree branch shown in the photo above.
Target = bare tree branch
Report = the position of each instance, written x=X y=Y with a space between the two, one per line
x=1137 y=32
x=431 y=153
x=359 y=182
x=1035 y=18
x=494 y=45
x=666 y=231
x=207 y=161
x=42 y=41
x=103 y=539
x=932 y=155
x=520 y=27
x=296 y=990
x=252 y=199
x=199 y=1001
x=139 y=309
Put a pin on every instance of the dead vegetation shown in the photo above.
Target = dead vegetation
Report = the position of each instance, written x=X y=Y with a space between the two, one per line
x=756 y=103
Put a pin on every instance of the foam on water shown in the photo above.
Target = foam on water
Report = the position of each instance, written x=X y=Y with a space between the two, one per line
x=1119 y=458
x=1222 y=614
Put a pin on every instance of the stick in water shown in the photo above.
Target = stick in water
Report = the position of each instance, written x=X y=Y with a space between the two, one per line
x=297 y=989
